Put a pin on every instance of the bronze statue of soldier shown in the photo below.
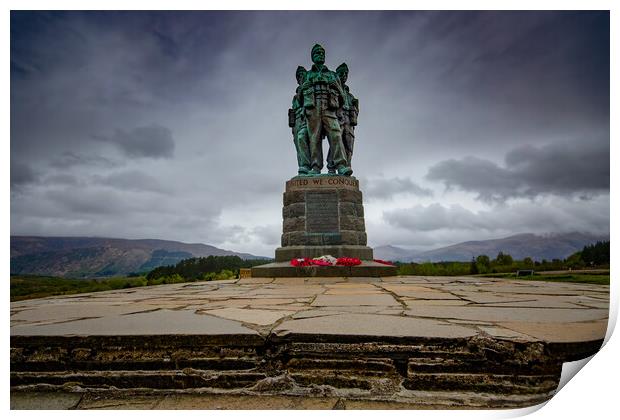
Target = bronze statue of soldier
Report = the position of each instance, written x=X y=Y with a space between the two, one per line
x=297 y=121
x=322 y=95
x=347 y=118
x=348 y=113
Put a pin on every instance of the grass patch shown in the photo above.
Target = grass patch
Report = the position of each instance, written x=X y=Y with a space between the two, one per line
x=32 y=287
x=28 y=286
x=588 y=278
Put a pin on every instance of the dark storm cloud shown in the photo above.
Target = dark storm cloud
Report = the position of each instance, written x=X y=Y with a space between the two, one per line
x=69 y=159
x=89 y=201
x=387 y=188
x=22 y=174
x=61 y=179
x=563 y=169
x=554 y=215
x=132 y=181
x=211 y=89
x=433 y=217
x=268 y=234
x=152 y=141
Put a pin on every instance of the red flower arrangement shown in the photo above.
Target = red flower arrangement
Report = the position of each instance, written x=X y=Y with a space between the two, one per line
x=301 y=262
x=321 y=262
x=383 y=262
x=306 y=262
x=348 y=261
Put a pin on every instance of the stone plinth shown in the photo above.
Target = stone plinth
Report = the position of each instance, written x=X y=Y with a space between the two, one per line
x=323 y=215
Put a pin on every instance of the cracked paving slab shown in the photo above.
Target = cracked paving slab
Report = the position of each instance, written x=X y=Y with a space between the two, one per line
x=159 y=322
x=559 y=332
x=406 y=305
x=250 y=316
x=480 y=313
x=355 y=300
x=373 y=325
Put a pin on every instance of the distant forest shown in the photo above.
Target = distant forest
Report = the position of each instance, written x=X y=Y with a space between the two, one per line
x=591 y=256
x=203 y=268
x=594 y=256
x=216 y=268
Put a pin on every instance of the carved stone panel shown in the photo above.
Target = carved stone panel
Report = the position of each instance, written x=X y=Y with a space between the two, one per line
x=322 y=212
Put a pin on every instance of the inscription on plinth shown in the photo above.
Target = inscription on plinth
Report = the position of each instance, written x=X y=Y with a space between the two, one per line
x=323 y=182
x=322 y=212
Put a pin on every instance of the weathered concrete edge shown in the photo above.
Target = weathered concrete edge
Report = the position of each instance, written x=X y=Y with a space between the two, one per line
x=563 y=351
x=37 y=400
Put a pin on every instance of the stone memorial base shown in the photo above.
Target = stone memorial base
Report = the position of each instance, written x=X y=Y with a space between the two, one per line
x=285 y=269
x=397 y=342
x=323 y=215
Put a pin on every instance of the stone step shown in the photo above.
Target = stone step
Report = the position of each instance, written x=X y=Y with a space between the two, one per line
x=483 y=382
x=134 y=379
x=138 y=364
x=346 y=365
x=480 y=365
x=365 y=367
x=349 y=338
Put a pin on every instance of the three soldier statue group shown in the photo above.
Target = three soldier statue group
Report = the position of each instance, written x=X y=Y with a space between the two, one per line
x=323 y=107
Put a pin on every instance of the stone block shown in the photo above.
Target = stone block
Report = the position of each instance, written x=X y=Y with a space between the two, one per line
x=312 y=239
x=293 y=238
x=350 y=237
x=350 y=196
x=294 y=224
x=374 y=271
x=292 y=197
x=287 y=253
x=322 y=239
x=348 y=209
x=294 y=210
x=359 y=209
x=332 y=239
x=352 y=223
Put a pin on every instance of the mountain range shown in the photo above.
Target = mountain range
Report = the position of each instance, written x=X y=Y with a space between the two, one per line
x=84 y=257
x=537 y=247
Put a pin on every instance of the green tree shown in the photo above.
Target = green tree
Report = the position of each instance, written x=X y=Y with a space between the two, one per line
x=503 y=259
x=575 y=261
x=596 y=254
x=225 y=275
x=193 y=269
x=483 y=263
x=473 y=268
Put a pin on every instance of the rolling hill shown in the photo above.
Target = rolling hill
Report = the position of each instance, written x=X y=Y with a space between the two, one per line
x=86 y=257
x=538 y=247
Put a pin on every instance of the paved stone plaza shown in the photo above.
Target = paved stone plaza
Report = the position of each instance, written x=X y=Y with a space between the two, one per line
x=422 y=341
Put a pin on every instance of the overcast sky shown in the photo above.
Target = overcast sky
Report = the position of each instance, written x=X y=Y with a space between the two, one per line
x=173 y=125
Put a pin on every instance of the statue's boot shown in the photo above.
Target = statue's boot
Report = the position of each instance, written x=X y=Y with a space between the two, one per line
x=345 y=170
